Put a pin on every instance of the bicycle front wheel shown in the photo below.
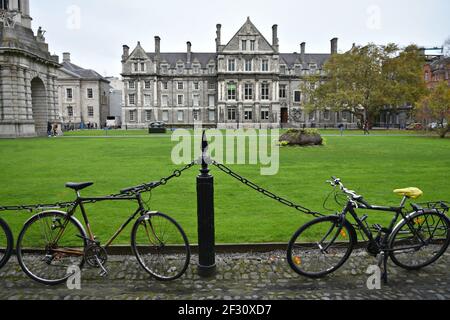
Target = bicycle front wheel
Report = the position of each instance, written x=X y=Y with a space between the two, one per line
x=420 y=240
x=6 y=243
x=321 y=247
x=161 y=246
x=49 y=246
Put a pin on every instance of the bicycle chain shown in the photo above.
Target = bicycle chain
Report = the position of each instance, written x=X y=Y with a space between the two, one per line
x=263 y=191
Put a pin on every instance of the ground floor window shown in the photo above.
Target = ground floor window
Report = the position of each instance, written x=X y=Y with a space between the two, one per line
x=180 y=115
x=196 y=115
x=165 y=116
x=132 y=115
x=148 y=115
x=90 y=112
x=212 y=115
x=265 y=115
x=231 y=114
x=248 y=115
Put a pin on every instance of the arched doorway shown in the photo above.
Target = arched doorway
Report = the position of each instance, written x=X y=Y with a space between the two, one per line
x=40 y=107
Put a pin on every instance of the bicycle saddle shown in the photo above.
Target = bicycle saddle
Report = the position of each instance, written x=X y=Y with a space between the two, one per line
x=413 y=193
x=78 y=186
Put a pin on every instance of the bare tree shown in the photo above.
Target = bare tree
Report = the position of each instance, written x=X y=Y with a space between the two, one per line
x=447 y=47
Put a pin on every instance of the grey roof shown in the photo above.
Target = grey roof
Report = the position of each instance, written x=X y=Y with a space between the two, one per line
x=81 y=72
x=290 y=59
x=173 y=57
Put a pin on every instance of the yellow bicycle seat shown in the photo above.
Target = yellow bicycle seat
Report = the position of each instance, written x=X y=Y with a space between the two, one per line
x=413 y=193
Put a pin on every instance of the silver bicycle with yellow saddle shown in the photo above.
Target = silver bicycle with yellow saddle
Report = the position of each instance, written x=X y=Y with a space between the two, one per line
x=413 y=240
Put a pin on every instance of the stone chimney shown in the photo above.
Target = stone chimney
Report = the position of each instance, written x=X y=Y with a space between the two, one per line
x=189 y=52
x=334 y=45
x=275 y=42
x=218 y=36
x=158 y=46
x=66 y=57
x=303 y=48
x=126 y=52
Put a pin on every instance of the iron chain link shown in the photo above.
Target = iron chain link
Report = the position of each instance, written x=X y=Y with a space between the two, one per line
x=263 y=191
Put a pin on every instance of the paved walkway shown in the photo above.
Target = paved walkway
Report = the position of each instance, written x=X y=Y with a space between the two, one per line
x=241 y=276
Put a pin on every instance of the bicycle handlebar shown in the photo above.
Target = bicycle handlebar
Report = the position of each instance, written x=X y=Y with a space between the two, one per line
x=336 y=182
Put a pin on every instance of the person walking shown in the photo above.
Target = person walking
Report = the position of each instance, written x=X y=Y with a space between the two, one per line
x=341 y=129
x=49 y=129
x=366 y=128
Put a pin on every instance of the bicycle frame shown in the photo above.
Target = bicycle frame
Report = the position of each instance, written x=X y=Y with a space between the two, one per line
x=81 y=201
x=350 y=208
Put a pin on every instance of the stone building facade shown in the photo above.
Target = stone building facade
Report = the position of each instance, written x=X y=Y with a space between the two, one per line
x=28 y=73
x=245 y=83
x=84 y=96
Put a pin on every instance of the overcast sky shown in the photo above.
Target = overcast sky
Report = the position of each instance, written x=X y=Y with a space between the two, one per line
x=95 y=30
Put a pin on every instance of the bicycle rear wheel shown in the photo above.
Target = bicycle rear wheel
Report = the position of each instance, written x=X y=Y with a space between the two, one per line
x=321 y=247
x=161 y=246
x=6 y=243
x=49 y=245
x=420 y=240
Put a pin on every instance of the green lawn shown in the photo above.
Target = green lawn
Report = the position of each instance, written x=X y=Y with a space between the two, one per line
x=35 y=171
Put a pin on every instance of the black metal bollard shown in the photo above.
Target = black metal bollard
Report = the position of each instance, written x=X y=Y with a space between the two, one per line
x=205 y=214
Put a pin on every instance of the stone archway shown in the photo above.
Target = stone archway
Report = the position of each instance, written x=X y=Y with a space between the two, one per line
x=39 y=106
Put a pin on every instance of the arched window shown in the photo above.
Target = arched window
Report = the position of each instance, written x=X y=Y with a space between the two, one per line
x=4 y=4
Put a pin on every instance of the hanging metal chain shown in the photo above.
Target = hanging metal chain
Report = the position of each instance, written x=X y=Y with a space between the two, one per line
x=265 y=192
x=177 y=173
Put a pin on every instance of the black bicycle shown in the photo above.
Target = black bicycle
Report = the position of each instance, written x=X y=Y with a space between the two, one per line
x=6 y=243
x=53 y=241
x=419 y=239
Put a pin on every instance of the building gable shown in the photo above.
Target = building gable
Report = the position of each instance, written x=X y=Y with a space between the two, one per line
x=249 y=32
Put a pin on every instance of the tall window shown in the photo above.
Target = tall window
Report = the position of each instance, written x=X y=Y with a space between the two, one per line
x=196 y=99
x=231 y=65
x=132 y=99
x=180 y=115
x=265 y=115
x=69 y=94
x=131 y=85
x=265 y=65
x=147 y=99
x=90 y=93
x=132 y=115
x=136 y=67
x=165 y=101
x=196 y=86
x=297 y=96
x=4 y=4
x=90 y=112
x=165 y=85
x=248 y=115
x=244 y=45
x=212 y=115
x=264 y=91
x=165 y=116
x=211 y=100
x=180 y=99
x=70 y=111
x=148 y=115
x=248 y=91
x=248 y=65
x=252 y=45
x=142 y=67
x=231 y=91
x=147 y=85
x=180 y=85
x=231 y=114
x=282 y=91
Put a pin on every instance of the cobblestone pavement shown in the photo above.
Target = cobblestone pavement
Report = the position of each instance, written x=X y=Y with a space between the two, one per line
x=240 y=276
